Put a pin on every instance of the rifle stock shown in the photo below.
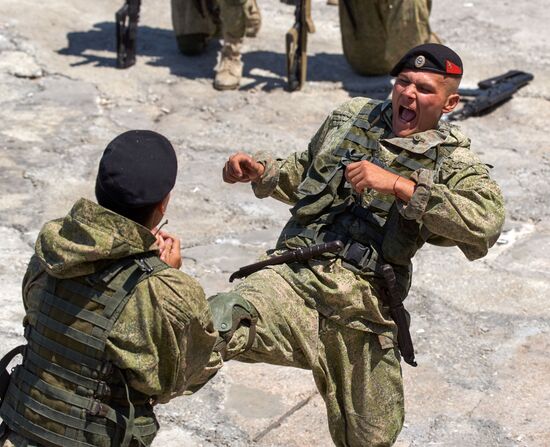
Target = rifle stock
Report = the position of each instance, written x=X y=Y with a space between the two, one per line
x=126 y=33
x=490 y=94
x=296 y=45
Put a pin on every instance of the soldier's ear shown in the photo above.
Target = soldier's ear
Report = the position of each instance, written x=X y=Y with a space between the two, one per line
x=452 y=101
x=164 y=204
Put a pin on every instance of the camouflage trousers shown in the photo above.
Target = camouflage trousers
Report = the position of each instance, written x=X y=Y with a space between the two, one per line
x=376 y=33
x=215 y=18
x=360 y=382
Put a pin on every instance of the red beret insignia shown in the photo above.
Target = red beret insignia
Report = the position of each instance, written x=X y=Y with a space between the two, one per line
x=452 y=68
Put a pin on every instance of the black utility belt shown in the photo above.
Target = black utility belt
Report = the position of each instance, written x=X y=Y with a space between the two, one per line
x=357 y=256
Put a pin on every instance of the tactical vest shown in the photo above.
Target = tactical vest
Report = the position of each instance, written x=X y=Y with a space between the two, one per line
x=329 y=209
x=67 y=392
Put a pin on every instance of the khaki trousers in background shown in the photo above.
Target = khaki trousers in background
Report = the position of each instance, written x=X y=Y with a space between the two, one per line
x=377 y=33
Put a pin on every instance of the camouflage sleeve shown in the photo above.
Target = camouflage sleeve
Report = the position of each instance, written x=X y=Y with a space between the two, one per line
x=282 y=177
x=464 y=207
x=33 y=282
x=165 y=335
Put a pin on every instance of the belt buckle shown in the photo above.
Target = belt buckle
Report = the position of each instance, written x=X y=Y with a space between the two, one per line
x=356 y=254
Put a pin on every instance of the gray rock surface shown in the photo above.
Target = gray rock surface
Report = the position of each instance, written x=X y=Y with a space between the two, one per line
x=481 y=329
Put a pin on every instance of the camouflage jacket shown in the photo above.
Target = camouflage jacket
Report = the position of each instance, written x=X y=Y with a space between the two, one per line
x=458 y=206
x=164 y=336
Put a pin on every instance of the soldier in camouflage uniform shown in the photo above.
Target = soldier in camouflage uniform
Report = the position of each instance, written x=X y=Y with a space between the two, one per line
x=197 y=21
x=376 y=33
x=384 y=177
x=111 y=329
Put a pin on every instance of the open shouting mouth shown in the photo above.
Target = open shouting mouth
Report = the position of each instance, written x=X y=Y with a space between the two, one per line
x=406 y=115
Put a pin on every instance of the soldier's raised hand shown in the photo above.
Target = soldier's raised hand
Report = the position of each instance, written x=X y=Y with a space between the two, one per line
x=364 y=174
x=169 y=249
x=242 y=168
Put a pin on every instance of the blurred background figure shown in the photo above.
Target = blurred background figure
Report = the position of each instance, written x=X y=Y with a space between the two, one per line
x=376 y=33
x=196 y=22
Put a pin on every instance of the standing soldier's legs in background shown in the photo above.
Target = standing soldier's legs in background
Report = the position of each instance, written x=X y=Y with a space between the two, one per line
x=253 y=18
x=230 y=67
x=195 y=23
x=359 y=381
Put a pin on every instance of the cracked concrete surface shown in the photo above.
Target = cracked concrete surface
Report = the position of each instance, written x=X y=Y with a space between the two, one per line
x=481 y=329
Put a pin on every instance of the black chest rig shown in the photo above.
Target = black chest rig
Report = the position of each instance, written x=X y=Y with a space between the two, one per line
x=67 y=392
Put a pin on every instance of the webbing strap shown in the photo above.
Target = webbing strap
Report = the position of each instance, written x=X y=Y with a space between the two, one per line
x=381 y=205
x=68 y=331
x=128 y=421
x=85 y=291
x=63 y=373
x=27 y=429
x=132 y=275
x=361 y=140
x=87 y=404
x=308 y=233
x=367 y=215
x=29 y=380
x=62 y=350
x=139 y=269
x=80 y=424
x=74 y=311
x=431 y=154
x=410 y=163
x=362 y=124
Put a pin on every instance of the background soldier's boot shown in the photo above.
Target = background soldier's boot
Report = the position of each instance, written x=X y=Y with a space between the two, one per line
x=253 y=18
x=230 y=68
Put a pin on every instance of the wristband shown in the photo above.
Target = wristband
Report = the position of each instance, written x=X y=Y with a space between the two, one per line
x=395 y=183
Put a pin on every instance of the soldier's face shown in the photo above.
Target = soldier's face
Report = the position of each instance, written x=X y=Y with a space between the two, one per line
x=419 y=98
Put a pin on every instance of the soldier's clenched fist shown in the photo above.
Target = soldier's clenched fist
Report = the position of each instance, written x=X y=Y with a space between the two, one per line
x=242 y=168
x=364 y=174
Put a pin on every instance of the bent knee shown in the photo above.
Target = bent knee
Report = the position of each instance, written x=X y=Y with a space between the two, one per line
x=362 y=431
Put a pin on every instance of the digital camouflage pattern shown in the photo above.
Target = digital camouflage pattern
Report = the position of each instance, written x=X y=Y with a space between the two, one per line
x=322 y=316
x=357 y=372
x=164 y=336
x=462 y=183
x=376 y=33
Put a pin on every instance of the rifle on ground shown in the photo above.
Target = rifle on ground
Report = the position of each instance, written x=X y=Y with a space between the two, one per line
x=399 y=315
x=126 y=33
x=298 y=255
x=296 y=45
x=491 y=93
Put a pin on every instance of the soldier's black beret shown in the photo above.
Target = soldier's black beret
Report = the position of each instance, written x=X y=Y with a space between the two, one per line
x=137 y=169
x=432 y=57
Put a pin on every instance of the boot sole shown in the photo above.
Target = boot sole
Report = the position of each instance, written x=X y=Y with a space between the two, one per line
x=226 y=87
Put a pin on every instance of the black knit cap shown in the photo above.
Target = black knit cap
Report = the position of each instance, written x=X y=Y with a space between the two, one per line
x=137 y=169
x=432 y=57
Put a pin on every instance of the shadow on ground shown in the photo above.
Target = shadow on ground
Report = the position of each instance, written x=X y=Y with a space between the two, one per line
x=267 y=69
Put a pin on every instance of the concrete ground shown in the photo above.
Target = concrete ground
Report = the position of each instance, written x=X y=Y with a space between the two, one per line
x=482 y=329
